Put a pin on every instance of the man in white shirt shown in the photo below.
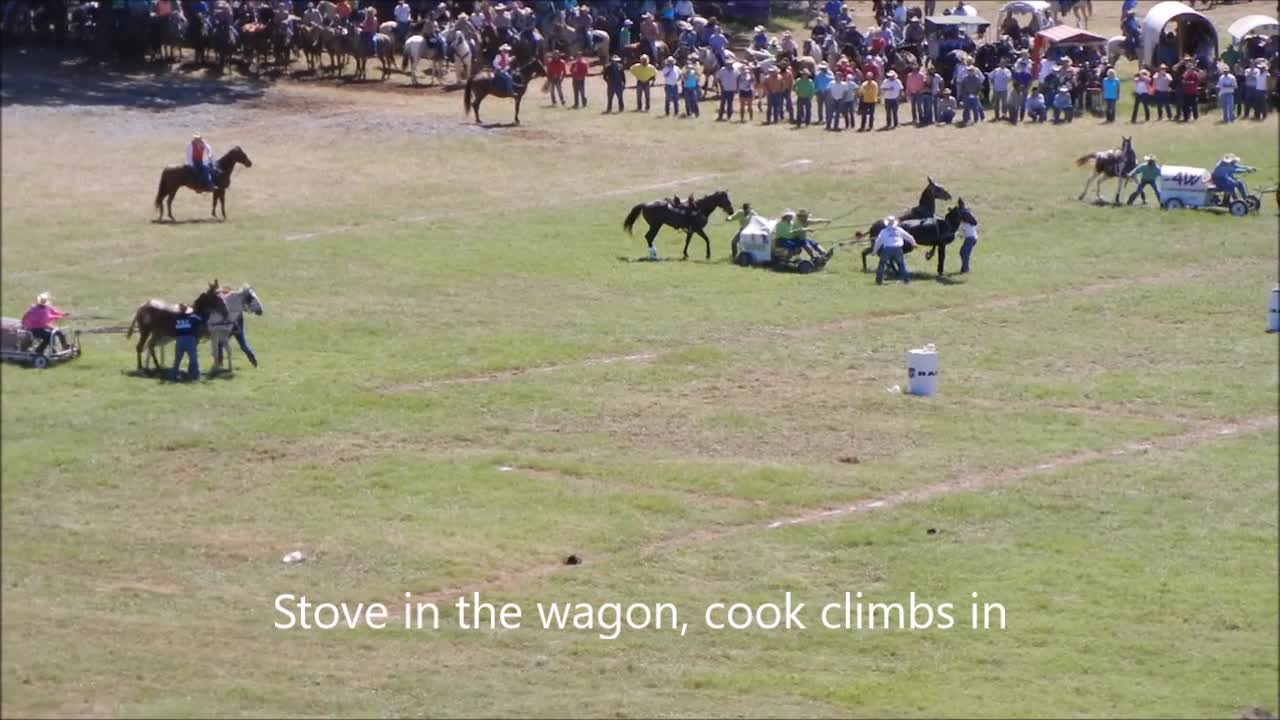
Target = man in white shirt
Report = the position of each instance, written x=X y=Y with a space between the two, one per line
x=728 y=78
x=402 y=14
x=670 y=87
x=890 y=92
x=1260 y=89
x=888 y=246
x=1000 y=79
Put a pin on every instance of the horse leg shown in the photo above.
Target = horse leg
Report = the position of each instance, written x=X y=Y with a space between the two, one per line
x=1121 y=182
x=476 y=108
x=652 y=235
x=688 y=236
x=518 y=99
x=1086 y=186
x=865 y=252
x=706 y=240
x=213 y=210
x=942 y=259
x=170 y=205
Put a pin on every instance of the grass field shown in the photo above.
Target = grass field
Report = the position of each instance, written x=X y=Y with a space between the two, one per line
x=466 y=376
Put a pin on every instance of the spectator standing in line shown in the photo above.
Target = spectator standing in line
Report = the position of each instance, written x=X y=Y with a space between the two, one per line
x=1164 y=93
x=822 y=90
x=868 y=95
x=670 y=87
x=1111 y=93
x=556 y=70
x=1000 y=79
x=804 y=90
x=728 y=79
x=1020 y=86
x=1190 y=92
x=644 y=74
x=578 y=72
x=615 y=80
x=746 y=91
x=1141 y=96
x=971 y=90
x=916 y=95
x=891 y=90
x=788 y=84
x=1260 y=101
x=690 y=78
x=773 y=96
x=835 y=97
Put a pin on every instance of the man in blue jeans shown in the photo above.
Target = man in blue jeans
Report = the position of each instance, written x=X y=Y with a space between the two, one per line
x=888 y=246
x=185 y=328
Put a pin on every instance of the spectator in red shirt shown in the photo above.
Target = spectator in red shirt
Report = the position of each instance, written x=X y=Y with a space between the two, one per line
x=555 y=73
x=1191 y=94
x=578 y=71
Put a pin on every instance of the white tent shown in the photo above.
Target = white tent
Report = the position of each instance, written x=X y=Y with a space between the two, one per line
x=1195 y=32
x=1253 y=25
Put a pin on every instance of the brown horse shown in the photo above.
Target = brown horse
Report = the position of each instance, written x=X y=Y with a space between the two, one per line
x=176 y=177
x=481 y=85
x=154 y=320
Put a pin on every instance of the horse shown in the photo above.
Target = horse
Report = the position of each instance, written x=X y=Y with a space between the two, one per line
x=164 y=36
x=176 y=177
x=1115 y=163
x=225 y=42
x=310 y=39
x=418 y=47
x=481 y=85
x=282 y=42
x=1118 y=47
x=336 y=43
x=154 y=320
x=237 y=301
x=199 y=35
x=935 y=233
x=660 y=212
x=925 y=209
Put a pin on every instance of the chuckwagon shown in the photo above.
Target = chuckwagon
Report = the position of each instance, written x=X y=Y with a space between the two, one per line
x=757 y=245
x=1192 y=187
x=18 y=345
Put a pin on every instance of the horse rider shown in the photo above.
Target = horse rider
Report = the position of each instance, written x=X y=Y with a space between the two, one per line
x=502 y=68
x=717 y=42
x=311 y=16
x=41 y=321
x=1132 y=32
x=200 y=160
x=888 y=246
x=584 y=23
x=649 y=35
x=369 y=27
x=1224 y=176
x=793 y=237
x=688 y=37
x=185 y=329
x=1148 y=173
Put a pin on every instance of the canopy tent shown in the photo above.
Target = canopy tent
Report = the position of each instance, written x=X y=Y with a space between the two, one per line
x=1040 y=11
x=1066 y=35
x=1195 y=34
x=1253 y=25
x=971 y=24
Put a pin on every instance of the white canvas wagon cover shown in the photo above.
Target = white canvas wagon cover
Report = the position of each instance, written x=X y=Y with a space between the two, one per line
x=758 y=227
x=1180 y=177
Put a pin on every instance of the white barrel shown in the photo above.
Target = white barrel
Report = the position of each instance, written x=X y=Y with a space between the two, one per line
x=922 y=371
x=1273 y=317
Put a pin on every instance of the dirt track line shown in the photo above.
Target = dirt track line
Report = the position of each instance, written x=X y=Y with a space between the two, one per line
x=615 y=486
x=518 y=372
x=969 y=483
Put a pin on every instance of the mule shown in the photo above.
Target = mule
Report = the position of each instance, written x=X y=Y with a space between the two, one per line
x=154 y=321
x=661 y=212
x=176 y=177
x=1114 y=163
x=481 y=85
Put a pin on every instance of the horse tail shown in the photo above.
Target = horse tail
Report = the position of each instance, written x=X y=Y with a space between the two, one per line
x=466 y=97
x=1084 y=160
x=632 y=217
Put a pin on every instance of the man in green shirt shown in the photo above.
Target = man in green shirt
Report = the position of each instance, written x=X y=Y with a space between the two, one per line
x=804 y=91
x=792 y=235
x=1148 y=173
x=743 y=216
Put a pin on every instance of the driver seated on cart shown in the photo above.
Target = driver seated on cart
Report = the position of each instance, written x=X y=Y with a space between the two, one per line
x=41 y=321
x=793 y=236
x=1224 y=176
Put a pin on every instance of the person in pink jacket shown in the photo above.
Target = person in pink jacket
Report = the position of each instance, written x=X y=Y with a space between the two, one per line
x=41 y=321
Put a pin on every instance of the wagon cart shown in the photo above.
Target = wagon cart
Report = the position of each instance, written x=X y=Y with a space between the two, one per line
x=17 y=345
x=757 y=246
x=1191 y=187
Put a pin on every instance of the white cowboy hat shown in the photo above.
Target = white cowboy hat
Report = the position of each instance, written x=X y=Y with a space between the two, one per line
x=627 y=22
x=1149 y=158
x=615 y=58
x=196 y=136
x=823 y=65
x=758 y=28
x=891 y=221
x=43 y=298
x=683 y=25
x=788 y=213
x=644 y=58
x=1229 y=158
x=504 y=46
x=670 y=60
x=891 y=73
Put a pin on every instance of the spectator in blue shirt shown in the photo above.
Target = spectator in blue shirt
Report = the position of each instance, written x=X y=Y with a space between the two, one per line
x=1111 y=93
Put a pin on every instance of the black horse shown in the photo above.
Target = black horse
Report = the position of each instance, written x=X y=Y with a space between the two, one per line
x=661 y=212
x=925 y=209
x=935 y=233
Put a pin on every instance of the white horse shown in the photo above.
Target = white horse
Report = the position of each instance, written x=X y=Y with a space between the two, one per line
x=220 y=332
x=416 y=48
x=1116 y=49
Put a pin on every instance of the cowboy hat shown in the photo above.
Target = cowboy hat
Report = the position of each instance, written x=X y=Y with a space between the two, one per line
x=644 y=58
x=786 y=33
x=823 y=65
x=1148 y=158
x=627 y=22
x=43 y=298
x=196 y=137
x=891 y=221
x=647 y=16
x=684 y=25
x=758 y=28
x=615 y=58
x=788 y=214
x=891 y=73
x=670 y=60
x=1230 y=158
x=503 y=46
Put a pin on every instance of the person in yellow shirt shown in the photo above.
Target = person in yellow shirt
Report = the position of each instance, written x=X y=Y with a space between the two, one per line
x=868 y=94
x=644 y=74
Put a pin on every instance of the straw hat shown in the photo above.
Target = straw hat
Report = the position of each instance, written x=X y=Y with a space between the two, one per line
x=786 y=33
x=627 y=22
x=1230 y=158
x=196 y=136
x=684 y=25
x=43 y=298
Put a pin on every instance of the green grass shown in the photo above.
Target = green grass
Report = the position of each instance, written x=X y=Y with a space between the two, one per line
x=458 y=303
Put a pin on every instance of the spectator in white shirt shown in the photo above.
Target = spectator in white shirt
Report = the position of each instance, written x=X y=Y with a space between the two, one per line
x=728 y=78
x=402 y=14
x=1000 y=79
x=670 y=87
x=891 y=93
x=888 y=246
x=1227 y=95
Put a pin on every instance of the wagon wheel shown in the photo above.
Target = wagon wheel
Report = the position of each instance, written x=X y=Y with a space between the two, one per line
x=804 y=267
x=744 y=259
x=1174 y=204
x=1238 y=208
x=40 y=362
x=1254 y=202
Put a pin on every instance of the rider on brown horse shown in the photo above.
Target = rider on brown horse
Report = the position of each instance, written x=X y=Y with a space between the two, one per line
x=200 y=160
